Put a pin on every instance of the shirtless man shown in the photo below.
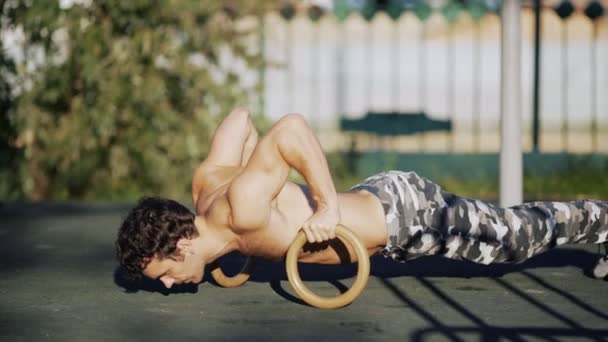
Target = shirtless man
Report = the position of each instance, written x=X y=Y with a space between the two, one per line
x=244 y=202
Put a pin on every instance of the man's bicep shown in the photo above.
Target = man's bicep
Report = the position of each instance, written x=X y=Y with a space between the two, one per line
x=252 y=191
x=249 y=203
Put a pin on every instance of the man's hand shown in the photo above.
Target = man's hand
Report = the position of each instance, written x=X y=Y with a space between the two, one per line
x=321 y=226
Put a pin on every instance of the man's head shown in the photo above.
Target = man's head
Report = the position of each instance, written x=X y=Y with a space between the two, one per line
x=159 y=239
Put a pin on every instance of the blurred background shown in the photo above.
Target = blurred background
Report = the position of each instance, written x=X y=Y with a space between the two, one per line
x=112 y=100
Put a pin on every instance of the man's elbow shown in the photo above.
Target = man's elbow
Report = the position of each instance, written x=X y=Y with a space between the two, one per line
x=290 y=126
x=241 y=113
x=293 y=120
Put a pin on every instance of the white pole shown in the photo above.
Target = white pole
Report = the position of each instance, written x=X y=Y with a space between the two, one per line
x=511 y=163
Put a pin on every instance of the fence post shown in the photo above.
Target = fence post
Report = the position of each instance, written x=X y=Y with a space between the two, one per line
x=511 y=161
x=536 y=105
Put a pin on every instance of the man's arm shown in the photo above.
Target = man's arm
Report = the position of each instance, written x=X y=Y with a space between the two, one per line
x=231 y=146
x=250 y=143
x=289 y=143
x=233 y=140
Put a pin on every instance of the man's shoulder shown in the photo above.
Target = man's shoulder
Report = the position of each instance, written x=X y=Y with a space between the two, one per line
x=209 y=176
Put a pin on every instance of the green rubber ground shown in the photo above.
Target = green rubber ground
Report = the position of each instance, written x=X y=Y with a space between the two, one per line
x=60 y=283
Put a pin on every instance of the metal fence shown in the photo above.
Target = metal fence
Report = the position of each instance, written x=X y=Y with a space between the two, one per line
x=439 y=60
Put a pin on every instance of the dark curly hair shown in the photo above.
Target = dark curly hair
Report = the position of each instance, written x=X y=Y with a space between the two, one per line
x=152 y=228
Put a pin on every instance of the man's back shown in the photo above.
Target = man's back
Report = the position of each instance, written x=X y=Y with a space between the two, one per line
x=361 y=212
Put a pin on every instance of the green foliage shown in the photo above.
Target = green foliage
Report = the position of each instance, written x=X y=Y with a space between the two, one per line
x=342 y=9
x=576 y=181
x=344 y=171
x=451 y=11
x=10 y=157
x=582 y=178
x=423 y=10
x=124 y=95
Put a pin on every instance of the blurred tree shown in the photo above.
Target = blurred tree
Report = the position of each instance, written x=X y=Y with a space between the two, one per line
x=115 y=99
x=9 y=154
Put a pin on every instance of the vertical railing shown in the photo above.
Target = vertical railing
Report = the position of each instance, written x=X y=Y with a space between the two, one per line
x=423 y=11
x=314 y=14
x=288 y=11
x=594 y=12
x=465 y=20
x=262 y=67
x=536 y=87
x=564 y=10
x=451 y=11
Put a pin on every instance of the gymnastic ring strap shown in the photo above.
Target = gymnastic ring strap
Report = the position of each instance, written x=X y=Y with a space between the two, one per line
x=235 y=281
x=291 y=263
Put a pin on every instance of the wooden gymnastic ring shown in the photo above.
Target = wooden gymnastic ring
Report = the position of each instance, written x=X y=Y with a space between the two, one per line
x=291 y=262
x=235 y=281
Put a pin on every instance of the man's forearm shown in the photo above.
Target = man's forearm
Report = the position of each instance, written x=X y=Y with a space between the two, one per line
x=301 y=150
x=290 y=143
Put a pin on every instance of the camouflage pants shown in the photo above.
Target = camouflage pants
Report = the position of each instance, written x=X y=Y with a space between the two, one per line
x=423 y=219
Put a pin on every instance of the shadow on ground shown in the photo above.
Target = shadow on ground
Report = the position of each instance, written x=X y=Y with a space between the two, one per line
x=53 y=254
x=483 y=331
x=421 y=270
x=430 y=266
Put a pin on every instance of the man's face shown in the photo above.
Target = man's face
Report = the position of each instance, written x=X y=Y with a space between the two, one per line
x=186 y=268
